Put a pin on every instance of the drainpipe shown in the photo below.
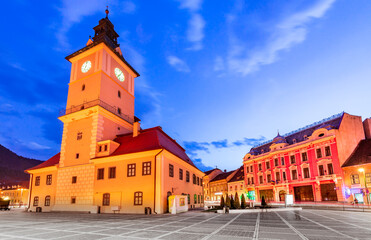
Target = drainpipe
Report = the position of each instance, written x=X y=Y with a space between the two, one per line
x=154 y=199
x=30 y=193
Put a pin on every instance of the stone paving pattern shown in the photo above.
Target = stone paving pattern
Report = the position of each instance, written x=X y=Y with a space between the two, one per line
x=306 y=224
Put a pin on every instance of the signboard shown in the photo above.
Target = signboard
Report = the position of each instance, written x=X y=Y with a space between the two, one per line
x=218 y=193
x=289 y=199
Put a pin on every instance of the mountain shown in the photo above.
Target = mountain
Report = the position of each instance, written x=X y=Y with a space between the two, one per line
x=12 y=166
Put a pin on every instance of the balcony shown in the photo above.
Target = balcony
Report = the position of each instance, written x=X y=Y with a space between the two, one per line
x=94 y=103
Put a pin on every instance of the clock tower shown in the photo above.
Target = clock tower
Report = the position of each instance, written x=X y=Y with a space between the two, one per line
x=100 y=106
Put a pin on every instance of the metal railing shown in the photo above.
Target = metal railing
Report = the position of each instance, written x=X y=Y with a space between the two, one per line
x=94 y=103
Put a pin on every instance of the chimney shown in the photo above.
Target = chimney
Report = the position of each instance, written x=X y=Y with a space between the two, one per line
x=136 y=129
x=367 y=127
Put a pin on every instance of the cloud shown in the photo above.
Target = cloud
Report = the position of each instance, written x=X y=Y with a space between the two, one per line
x=196 y=24
x=286 y=34
x=128 y=7
x=178 y=64
x=192 y=5
x=200 y=165
x=37 y=146
x=195 y=32
x=220 y=144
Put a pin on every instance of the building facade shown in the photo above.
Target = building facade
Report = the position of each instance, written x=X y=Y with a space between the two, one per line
x=237 y=184
x=17 y=194
x=107 y=163
x=219 y=185
x=305 y=163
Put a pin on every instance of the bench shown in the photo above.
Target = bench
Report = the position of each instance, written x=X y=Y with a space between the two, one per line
x=115 y=209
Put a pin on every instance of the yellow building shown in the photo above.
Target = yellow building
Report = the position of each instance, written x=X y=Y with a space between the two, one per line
x=17 y=194
x=237 y=183
x=357 y=173
x=107 y=163
x=219 y=185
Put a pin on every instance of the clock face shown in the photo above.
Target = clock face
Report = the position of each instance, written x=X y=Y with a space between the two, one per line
x=86 y=66
x=119 y=74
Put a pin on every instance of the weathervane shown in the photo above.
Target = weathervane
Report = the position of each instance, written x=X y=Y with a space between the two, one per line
x=107 y=12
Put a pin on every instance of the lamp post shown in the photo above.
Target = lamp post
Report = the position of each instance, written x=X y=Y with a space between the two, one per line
x=362 y=170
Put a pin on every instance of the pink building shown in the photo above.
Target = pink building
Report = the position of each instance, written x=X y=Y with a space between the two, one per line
x=306 y=162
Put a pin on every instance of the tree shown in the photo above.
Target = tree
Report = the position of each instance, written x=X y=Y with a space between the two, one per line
x=237 y=201
x=227 y=202
x=222 y=204
x=243 y=201
x=232 y=202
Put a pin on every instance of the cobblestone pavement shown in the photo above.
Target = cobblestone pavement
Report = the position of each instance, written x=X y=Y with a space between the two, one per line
x=306 y=224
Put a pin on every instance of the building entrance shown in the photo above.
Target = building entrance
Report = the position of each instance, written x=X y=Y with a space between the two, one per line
x=282 y=194
x=304 y=193
x=328 y=192
x=268 y=195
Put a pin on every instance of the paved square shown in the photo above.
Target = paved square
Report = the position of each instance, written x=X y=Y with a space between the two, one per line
x=306 y=224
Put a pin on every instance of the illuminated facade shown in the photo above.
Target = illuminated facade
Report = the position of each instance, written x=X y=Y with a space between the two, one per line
x=17 y=194
x=107 y=163
x=237 y=183
x=219 y=185
x=305 y=163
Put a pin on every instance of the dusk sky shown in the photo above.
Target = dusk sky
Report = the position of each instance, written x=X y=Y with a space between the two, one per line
x=218 y=76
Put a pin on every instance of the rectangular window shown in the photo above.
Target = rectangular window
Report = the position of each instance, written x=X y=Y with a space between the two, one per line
x=74 y=179
x=306 y=172
x=77 y=155
x=119 y=111
x=180 y=174
x=100 y=148
x=284 y=176
x=187 y=176
x=321 y=170
x=105 y=147
x=100 y=174
x=260 y=166
x=304 y=156
x=269 y=178
x=354 y=179
x=292 y=159
x=171 y=170
x=138 y=198
x=247 y=170
x=282 y=161
x=106 y=199
x=194 y=179
x=252 y=181
x=277 y=176
x=73 y=200
x=49 y=179
x=131 y=170
x=294 y=175
x=330 y=168
x=47 y=201
x=368 y=177
x=146 y=168
x=319 y=152
x=112 y=172
x=261 y=179
x=36 y=201
x=37 y=181
x=276 y=162
x=79 y=136
x=198 y=181
x=267 y=165
x=248 y=181
x=327 y=151
x=251 y=169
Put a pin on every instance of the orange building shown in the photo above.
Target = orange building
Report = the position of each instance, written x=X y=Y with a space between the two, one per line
x=107 y=163
x=16 y=193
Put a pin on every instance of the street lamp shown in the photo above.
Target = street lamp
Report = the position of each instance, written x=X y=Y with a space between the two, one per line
x=362 y=170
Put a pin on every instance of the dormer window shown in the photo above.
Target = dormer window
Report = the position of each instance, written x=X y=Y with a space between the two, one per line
x=321 y=135
x=294 y=140
x=305 y=137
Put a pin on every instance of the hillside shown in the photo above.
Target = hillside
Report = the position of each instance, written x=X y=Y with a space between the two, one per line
x=12 y=166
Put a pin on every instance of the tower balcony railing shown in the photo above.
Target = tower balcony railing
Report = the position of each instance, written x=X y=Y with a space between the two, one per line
x=94 y=103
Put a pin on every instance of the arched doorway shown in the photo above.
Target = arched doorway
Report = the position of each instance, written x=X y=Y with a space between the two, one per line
x=282 y=194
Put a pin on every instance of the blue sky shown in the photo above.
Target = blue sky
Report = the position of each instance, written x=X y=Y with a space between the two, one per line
x=218 y=76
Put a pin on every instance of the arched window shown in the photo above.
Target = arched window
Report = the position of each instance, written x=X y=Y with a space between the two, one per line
x=195 y=198
x=189 y=199
x=47 y=201
x=36 y=201
x=106 y=199
x=138 y=198
x=199 y=198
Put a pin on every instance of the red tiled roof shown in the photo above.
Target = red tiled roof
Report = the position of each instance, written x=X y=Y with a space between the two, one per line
x=48 y=163
x=210 y=171
x=222 y=176
x=360 y=155
x=239 y=176
x=150 y=139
